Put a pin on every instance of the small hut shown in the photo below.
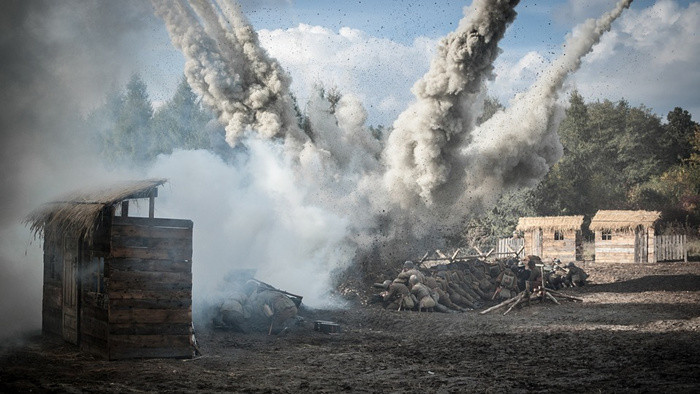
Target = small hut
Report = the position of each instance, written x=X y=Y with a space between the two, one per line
x=624 y=236
x=116 y=285
x=553 y=237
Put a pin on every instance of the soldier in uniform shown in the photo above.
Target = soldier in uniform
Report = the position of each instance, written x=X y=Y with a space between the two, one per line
x=576 y=276
x=425 y=300
x=507 y=284
x=270 y=306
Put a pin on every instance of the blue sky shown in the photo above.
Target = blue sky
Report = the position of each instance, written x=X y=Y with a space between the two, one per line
x=638 y=60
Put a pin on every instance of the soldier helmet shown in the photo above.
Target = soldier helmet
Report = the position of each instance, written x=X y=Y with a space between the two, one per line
x=521 y=263
x=571 y=264
x=408 y=264
x=413 y=280
x=557 y=261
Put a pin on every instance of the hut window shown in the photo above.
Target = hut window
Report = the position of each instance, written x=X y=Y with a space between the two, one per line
x=606 y=235
x=558 y=235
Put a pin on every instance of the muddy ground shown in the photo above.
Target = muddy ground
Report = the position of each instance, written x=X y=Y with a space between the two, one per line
x=638 y=329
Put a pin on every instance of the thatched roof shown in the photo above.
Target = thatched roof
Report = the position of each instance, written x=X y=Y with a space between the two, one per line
x=623 y=220
x=560 y=223
x=78 y=212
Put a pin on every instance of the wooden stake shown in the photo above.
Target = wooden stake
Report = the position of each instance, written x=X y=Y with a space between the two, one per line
x=502 y=304
x=520 y=298
x=551 y=297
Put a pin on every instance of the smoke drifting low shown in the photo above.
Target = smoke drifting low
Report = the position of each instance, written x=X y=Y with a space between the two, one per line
x=58 y=59
x=296 y=205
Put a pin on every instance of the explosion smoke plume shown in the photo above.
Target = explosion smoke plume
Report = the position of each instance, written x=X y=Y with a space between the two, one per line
x=436 y=167
x=227 y=67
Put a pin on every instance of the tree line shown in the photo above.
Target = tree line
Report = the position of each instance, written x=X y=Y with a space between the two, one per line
x=615 y=156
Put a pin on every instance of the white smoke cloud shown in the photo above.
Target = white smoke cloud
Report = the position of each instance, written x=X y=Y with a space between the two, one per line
x=649 y=58
x=253 y=215
x=378 y=71
x=419 y=153
x=228 y=68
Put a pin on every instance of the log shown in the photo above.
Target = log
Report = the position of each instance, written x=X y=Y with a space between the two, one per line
x=520 y=298
x=502 y=304
x=566 y=296
x=551 y=297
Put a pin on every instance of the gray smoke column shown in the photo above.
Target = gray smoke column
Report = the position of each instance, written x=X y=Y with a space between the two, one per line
x=517 y=146
x=420 y=154
x=228 y=68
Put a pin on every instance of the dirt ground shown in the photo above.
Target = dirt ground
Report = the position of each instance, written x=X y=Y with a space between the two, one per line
x=638 y=330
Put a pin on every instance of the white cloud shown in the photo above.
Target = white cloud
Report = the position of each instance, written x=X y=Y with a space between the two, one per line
x=650 y=57
x=377 y=70
x=515 y=74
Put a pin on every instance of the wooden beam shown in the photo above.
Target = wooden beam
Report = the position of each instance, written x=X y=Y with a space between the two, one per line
x=151 y=207
x=125 y=208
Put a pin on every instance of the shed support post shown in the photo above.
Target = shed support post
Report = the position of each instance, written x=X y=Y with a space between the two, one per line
x=125 y=208
x=151 y=206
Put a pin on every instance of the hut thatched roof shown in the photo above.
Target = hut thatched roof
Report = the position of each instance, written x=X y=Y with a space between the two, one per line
x=560 y=223
x=79 y=211
x=623 y=220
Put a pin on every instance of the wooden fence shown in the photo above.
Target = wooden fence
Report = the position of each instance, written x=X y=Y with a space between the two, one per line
x=671 y=248
x=509 y=247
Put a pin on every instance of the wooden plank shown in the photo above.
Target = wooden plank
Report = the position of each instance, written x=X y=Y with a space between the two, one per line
x=151 y=243
x=52 y=321
x=52 y=297
x=149 y=329
x=94 y=312
x=148 y=341
x=126 y=353
x=92 y=345
x=143 y=285
x=133 y=294
x=135 y=221
x=141 y=276
x=183 y=252
x=150 y=316
x=94 y=327
x=148 y=265
x=180 y=303
x=181 y=233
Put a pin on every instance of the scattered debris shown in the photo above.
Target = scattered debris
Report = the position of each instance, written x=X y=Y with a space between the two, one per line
x=327 y=327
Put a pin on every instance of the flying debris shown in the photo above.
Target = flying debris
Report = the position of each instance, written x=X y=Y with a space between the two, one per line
x=436 y=168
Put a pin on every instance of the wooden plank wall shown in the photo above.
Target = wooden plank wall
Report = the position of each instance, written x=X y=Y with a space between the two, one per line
x=620 y=249
x=52 y=297
x=149 y=283
x=671 y=248
x=93 y=325
x=564 y=250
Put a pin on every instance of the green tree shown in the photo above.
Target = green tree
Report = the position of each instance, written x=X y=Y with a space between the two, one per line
x=131 y=138
x=181 y=122
x=679 y=132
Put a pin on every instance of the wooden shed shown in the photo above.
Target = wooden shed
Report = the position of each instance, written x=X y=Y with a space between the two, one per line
x=624 y=236
x=116 y=285
x=553 y=237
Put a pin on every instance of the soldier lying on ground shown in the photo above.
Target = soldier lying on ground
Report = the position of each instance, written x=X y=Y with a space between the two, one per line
x=255 y=306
